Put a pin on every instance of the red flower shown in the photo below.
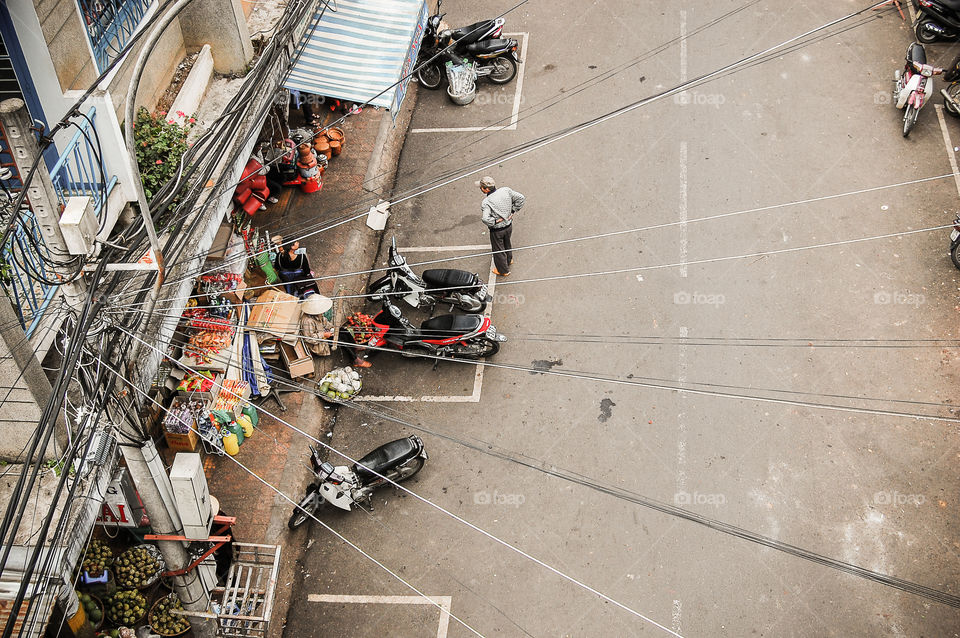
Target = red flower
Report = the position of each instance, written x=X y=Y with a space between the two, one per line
x=181 y=114
x=159 y=161
x=162 y=113
x=192 y=120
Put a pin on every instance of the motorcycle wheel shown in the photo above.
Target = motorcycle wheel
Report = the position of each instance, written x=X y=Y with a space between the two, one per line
x=955 y=255
x=925 y=35
x=305 y=509
x=504 y=70
x=487 y=348
x=407 y=470
x=430 y=76
x=909 y=118
x=953 y=91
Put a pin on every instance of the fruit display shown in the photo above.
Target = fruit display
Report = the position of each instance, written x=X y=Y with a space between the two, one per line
x=126 y=607
x=97 y=557
x=122 y=632
x=137 y=567
x=163 y=621
x=92 y=607
x=342 y=383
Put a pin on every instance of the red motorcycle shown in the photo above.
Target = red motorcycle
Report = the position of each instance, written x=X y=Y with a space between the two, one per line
x=454 y=336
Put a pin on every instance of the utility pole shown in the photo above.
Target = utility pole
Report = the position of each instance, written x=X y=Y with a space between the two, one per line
x=153 y=484
x=40 y=192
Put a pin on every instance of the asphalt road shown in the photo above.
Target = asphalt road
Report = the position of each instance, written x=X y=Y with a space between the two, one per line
x=707 y=306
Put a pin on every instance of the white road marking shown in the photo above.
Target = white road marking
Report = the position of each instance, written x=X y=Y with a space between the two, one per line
x=517 y=98
x=473 y=397
x=675 y=616
x=951 y=154
x=445 y=249
x=683 y=209
x=443 y=601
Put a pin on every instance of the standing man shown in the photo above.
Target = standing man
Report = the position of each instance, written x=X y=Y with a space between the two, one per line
x=498 y=208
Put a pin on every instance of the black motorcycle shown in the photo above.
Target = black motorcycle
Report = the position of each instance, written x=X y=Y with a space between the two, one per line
x=459 y=288
x=345 y=487
x=937 y=20
x=478 y=44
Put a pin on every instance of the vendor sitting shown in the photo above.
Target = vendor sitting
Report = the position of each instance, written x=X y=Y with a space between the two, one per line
x=293 y=267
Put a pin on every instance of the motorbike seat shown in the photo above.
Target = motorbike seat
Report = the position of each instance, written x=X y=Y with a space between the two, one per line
x=386 y=457
x=471 y=33
x=953 y=5
x=489 y=46
x=916 y=52
x=448 y=278
x=453 y=324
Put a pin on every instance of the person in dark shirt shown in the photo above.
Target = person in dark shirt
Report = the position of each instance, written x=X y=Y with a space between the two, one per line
x=292 y=268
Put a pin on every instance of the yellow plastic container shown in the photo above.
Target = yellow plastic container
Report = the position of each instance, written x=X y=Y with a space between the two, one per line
x=230 y=444
x=244 y=422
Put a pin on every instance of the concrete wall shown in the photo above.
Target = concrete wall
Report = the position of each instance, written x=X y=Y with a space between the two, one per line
x=222 y=25
x=64 y=34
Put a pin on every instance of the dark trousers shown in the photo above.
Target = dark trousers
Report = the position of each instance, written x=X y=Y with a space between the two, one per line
x=276 y=188
x=500 y=240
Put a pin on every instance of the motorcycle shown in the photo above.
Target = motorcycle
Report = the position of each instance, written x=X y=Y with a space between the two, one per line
x=431 y=75
x=459 y=288
x=914 y=85
x=955 y=242
x=454 y=336
x=937 y=20
x=345 y=487
x=951 y=94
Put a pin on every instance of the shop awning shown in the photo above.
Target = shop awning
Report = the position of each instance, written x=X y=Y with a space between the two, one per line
x=357 y=48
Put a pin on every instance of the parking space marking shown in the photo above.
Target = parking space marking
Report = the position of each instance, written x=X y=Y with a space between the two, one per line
x=517 y=97
x=473 y=397
x=443 y=601
x=951 y=154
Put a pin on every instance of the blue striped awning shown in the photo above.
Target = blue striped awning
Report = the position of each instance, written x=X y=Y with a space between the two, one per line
x=356 y=49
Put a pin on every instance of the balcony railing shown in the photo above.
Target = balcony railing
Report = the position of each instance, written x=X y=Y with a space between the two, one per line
x=78 y=171
x=110 y=23
x=23 y=271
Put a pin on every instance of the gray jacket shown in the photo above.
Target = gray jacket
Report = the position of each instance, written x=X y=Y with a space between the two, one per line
x=499 y=206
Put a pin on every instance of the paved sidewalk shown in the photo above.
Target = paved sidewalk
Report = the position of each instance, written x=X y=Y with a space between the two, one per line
x=276 y=453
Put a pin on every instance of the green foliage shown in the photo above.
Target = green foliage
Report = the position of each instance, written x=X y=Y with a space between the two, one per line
x=160 y=143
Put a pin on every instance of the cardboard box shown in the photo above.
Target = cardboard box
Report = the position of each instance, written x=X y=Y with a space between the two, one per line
x=275 y=313
x=182 y=442
x=299 y=360
x=235 y=296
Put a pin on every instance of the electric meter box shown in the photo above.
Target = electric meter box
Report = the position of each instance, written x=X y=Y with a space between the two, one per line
x=191 y=495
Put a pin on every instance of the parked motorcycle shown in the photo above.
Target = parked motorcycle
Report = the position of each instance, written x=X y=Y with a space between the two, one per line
x=951 y=94
x=955 y=242
x=432 y=75
x=937 y=20
x=459 y=288
x=345 y=487
x=454 y=336
x=914 y=85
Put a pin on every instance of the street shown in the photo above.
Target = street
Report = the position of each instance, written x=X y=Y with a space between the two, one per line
x=806 y=349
